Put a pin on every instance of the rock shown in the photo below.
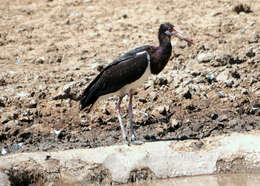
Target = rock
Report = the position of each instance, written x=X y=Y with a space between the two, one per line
x=27 y=116
x=30 y=103
x=221 y=59
x=198 y=145
x=235 y=74
x=66 y=92
x=4 y=118
x=223 y=76
x=23 y=95
x=196 y=127
x=174 y=122
x=187 y=132
x=244 y=91
x=205 y=57
x=250 y=53
x=3 y=101
x=4 y=180
x=2 y=104
x=25 y=135
x=2 y=81
x=223 y=118
x=162 y=110
x=214 y=116
x=160 y=81
x=221 y=94
x=10 y=125
x=154 y=96
x=242 y=8
x=40 y=60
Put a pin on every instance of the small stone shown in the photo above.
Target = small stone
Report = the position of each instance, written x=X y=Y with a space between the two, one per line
x=10 y=125
x=198 y=145
x=221 y=94
x=187 y=132
x=243 y=30
x=161 y=110
x=214 y=116
x=3 y=151
x=250 y=53
x=25 y=135
x=205 y=57
x=23 y=95
x=244 y=91
x=40 y=60
x=5 y=117
x=223 y=118
x=235 y=74
x=160 y=81
x=31 y=103
x=4 y=179
x=59 y=59
x=174 y=123
x=2 y=81
x=197 y=127
x=223 y=76
x=154 y=96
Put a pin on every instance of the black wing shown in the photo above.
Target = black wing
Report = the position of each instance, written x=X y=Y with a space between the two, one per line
x=122 y=71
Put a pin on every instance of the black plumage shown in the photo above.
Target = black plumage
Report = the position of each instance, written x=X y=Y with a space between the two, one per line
x=130 y=70
x=122 y=71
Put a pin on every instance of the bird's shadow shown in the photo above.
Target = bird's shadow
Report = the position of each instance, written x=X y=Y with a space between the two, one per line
x=183 y=138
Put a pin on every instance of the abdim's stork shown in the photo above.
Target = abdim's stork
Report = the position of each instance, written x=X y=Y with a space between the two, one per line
x=129 y=71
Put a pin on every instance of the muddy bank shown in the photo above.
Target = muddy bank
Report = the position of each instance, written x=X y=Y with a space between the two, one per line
x=235 y=153
x=51 y=50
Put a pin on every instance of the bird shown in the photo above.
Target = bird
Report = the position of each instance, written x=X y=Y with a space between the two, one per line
x=128 y=72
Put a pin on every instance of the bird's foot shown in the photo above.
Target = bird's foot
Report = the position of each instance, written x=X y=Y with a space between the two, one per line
x=134 y=141
x=137 y=142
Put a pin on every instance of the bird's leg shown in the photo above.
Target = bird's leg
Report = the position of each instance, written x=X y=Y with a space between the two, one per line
x=130 y=110
x=120 y=120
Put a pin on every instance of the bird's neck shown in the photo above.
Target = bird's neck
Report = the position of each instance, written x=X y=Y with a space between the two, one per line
x=162 y=55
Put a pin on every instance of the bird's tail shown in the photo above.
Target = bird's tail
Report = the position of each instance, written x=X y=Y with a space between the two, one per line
x=89 y=96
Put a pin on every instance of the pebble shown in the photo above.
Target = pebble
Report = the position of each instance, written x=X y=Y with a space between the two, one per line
x=154 y=96
x=2 y=81
x=198 y=145
x=205 y=57
x=31 y=103
x=23 y=95
x=174 y=122
x=221 y=94
x=162 y=110
x=197 y=127
x=187 y=132
x=223 y=76
x=3 y=151
x=17 y=146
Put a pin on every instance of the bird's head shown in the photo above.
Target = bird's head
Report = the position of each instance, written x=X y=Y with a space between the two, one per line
x=169 y=30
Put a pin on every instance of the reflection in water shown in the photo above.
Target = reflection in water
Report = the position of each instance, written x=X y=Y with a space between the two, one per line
x=212 y=180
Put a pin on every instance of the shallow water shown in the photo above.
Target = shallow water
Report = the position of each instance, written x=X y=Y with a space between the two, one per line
x=212 y=180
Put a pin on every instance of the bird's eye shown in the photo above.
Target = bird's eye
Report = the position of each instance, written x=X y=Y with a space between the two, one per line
x=171 y=29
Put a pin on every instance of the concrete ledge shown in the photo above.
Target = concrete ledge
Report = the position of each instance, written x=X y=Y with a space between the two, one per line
x=164 y=159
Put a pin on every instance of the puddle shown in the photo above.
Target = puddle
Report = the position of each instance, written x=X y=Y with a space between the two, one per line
x=212 y=180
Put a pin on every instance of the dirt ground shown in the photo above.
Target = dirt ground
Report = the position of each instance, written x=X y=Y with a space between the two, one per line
x=51 y=49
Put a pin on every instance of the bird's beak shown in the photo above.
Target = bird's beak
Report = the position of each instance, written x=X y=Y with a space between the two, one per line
x=177 y=33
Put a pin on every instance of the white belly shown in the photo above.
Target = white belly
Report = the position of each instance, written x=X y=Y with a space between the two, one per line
x=132 y=86
x=138 y=83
